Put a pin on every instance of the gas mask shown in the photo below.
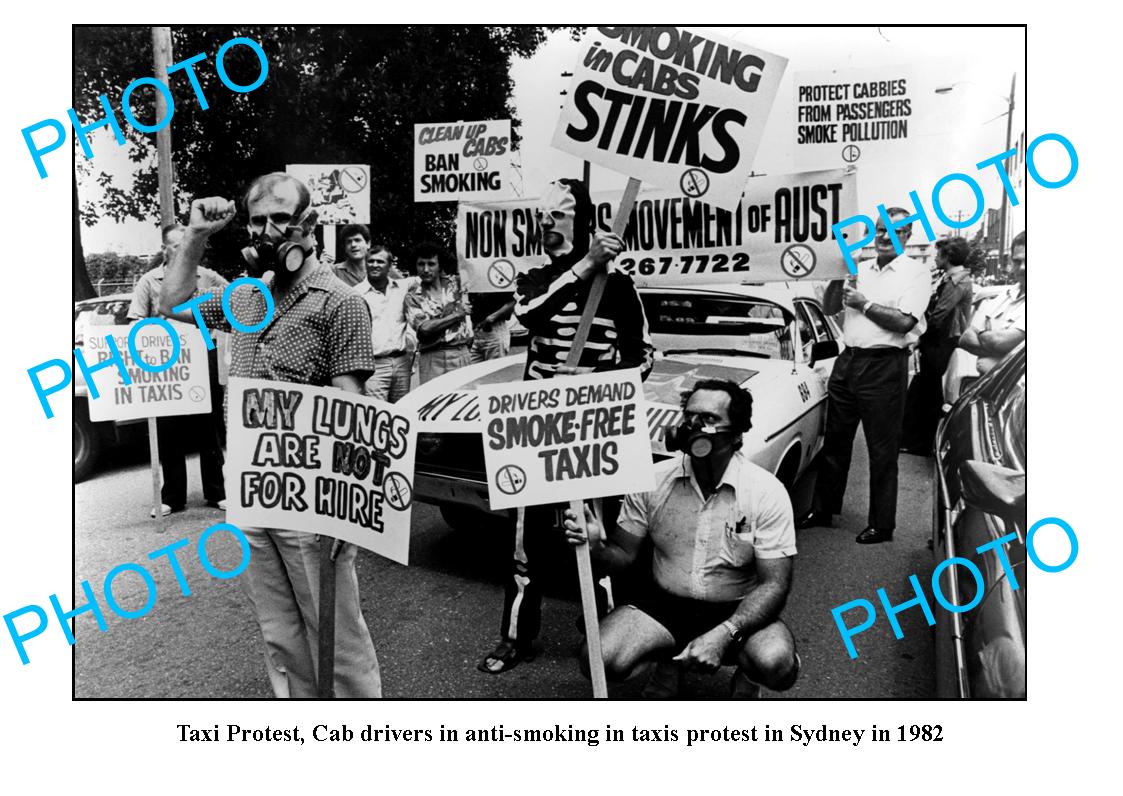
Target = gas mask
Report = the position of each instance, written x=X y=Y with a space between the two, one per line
x=696 y=438
x=267 y=254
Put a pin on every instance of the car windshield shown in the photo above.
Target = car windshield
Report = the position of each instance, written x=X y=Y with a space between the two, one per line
x=718 y=324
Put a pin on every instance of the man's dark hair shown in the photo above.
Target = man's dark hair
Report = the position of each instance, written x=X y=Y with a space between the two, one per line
x=740 y=401
x=957 y=250
x=267 y=182
x=375 y=248
x=1019 y=240
x=351 y=230
x=427 y=250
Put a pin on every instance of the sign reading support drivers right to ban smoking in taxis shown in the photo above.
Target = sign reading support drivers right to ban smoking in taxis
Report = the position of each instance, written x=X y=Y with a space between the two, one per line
x=566 y=438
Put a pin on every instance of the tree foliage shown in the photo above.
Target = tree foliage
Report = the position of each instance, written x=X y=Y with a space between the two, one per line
x=334 y=94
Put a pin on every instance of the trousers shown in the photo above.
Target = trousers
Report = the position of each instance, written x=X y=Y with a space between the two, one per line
x=437 y=361
x=867 y=386
x=925 y=396
x=176 y=433
x=495 y=344
x=391 y=377
x=282 y=583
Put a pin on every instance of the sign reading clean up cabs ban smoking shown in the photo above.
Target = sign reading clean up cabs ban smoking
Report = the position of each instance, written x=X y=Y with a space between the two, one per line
x=462 y=161
x=566 y=438
x=181 y=388
x=780 y=231
x=681 y=110
x=320 y=460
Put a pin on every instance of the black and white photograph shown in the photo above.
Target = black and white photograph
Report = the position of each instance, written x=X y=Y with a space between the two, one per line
x=505 y=373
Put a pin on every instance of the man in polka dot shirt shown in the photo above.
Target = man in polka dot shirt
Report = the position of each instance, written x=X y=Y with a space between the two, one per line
x=320 y=334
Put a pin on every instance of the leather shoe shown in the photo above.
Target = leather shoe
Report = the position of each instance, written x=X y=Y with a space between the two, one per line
x=814 y=519
x=874 y=536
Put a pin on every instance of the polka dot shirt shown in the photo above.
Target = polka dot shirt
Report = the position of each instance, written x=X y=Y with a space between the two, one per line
x=322 y=329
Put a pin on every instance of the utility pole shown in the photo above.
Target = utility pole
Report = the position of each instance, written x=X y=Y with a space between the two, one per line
x=1006 y=168
x=161 y=59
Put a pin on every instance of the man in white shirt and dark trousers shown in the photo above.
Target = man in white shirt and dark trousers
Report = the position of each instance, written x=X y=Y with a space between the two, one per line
x=884 y=316
x=393 y=354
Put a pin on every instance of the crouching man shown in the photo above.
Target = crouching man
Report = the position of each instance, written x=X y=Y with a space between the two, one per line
x=724 y=545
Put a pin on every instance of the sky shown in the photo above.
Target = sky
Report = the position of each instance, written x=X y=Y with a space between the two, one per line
x=948 y=132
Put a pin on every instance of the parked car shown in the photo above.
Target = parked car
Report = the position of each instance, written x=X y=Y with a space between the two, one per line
x=92 y=440
x=979 y=497
x=774 y=341
x=962 y=369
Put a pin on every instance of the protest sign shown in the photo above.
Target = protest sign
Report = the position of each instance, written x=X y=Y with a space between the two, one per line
x=567 y=438
x=320 y=460
x=781 y=231
x=183 y=388
x=340 y=193
x=848 y=116
x=680 y=110
x=462 y=160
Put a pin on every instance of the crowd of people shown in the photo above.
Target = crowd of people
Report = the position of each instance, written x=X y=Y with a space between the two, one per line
x=721 y=529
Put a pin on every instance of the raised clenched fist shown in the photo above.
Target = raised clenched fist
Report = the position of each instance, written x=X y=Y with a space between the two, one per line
x=211 y=214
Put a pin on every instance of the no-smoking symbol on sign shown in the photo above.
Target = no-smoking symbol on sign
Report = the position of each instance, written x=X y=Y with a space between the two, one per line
x=501 y=274
x=196 y=394
x=798 y=261
x=694 y=182
x=511 y=479
x=352 y=179
x=851 y=152
x=480 y=164
x=397 y=490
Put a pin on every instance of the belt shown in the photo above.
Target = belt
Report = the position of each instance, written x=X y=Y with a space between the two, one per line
x=444 y=347
x=391 y=355
x=882 y=351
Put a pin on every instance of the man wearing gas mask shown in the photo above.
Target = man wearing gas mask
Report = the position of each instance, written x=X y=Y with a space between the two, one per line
x=724 y=545
x=549 y=302
x=320 y=335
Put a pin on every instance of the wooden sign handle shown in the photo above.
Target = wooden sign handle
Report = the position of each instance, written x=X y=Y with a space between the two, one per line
x=154 y=464
x=584 y=562
x=326 y=636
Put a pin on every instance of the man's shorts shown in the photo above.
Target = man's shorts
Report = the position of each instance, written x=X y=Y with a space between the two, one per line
x=684 y=618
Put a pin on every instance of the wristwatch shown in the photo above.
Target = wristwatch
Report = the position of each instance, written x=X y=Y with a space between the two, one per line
x=866 y=307
x=734 y=633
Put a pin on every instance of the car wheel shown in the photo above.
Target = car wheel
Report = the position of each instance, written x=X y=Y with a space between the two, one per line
x=87 y=447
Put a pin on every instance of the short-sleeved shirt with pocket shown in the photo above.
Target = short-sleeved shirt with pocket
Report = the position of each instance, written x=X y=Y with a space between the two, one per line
x=706 y=548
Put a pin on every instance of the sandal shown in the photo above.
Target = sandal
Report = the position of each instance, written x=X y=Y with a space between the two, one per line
x=504 y=657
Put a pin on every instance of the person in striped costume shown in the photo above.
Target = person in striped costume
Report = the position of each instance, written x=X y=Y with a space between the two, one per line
x=549 y=302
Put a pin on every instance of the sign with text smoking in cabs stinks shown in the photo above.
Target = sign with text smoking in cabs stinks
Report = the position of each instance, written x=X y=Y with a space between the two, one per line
x=181 y=388
x=320 y=460
x=462 y=161
x=681 y=110
x=566 y=438
x=779 y=232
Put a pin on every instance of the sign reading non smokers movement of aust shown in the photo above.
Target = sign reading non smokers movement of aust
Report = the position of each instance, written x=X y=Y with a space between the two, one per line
x=320 y=460
x=183 y=388
x=780 y=231
x=567 y=438
x=680 y=110
x=461 y=161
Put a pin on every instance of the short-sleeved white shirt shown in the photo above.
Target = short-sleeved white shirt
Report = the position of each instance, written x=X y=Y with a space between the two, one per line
x=903 y=284
x=705 y=549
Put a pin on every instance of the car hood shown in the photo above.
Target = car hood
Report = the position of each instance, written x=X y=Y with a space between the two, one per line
x=448 y=404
